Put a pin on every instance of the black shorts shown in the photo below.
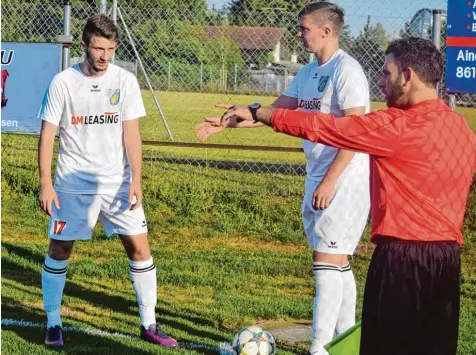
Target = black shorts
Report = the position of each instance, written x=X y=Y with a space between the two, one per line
x=412 y=299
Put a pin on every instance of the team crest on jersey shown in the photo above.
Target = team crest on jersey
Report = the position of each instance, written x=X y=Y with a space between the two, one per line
x=114 y=96
x=323 y=80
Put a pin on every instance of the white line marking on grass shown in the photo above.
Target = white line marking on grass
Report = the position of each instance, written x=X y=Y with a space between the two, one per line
x=25 y=324
x=224 y=348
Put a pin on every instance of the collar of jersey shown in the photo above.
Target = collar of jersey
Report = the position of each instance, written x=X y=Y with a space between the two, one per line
x=77 y=69
x=338 y=51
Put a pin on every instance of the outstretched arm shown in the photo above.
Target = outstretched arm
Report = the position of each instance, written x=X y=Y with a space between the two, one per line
x=213 y=125
x=376 y=133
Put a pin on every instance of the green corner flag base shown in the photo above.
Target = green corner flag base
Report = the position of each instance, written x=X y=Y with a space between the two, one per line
x=347 y=343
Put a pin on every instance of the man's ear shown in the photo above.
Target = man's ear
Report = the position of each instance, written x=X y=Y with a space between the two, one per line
x=326 y=31
x=83 y=46
x=408 y=75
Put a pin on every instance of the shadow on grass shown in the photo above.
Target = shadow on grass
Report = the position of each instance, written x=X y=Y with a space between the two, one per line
x=75 y=342
x=16 y=272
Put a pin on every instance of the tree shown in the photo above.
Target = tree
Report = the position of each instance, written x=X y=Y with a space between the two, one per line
x=346 y=40
x=282 y=13
x=369 y=49
x=216 y=18
x=182 y=46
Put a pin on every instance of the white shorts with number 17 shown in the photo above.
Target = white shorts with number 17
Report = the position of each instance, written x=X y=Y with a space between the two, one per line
x=78 y=214
x=338 y=228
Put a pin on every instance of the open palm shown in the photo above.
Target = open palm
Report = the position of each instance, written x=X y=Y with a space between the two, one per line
x=208 y=127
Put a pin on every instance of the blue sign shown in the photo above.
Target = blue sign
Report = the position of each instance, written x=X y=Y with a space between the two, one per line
x=27 y=69
x=461 y=46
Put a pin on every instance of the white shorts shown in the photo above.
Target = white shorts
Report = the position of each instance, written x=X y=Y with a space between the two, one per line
x=78 y=214
x=338 y=228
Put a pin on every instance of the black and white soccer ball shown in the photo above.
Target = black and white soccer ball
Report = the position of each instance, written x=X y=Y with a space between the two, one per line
x=254 y=340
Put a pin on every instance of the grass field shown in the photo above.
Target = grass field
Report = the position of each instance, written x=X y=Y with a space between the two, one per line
x=228 y=245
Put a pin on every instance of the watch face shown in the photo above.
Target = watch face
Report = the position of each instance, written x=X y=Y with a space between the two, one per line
x=255 y=106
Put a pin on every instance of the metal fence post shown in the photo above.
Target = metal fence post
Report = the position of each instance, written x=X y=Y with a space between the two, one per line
x=66 y=31
x=168 y=77
x=436 y=34
x=436 y=38
x=114 y=11
x=145 y=74
x=236 y=76
x=223 y=79
x=286 y=78
x=114 y=19
x=103 y=6
x=201 y=76
x=266 y=80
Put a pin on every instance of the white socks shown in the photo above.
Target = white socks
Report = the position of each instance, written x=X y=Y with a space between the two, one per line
x=334 y=304
x=53 y=279
x=143 y=277
x=144 y=281
x=346 y=317
x=326 y=305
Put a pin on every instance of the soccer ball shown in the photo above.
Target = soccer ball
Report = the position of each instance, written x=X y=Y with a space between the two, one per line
x=253 y=341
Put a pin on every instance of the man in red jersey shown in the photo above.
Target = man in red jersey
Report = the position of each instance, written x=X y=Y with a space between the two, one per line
x=422 y=161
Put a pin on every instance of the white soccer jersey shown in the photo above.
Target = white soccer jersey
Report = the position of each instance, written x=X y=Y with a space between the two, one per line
x=337 y=85
x=89 y=113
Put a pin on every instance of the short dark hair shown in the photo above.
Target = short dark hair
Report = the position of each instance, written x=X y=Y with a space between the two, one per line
x=419 y=54
x=100 y=25
x=335 y=14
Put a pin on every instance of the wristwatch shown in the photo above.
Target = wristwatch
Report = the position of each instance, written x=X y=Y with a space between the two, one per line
x=253 y=108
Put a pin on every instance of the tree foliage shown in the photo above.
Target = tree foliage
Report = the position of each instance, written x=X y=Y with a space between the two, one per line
x=369 y=49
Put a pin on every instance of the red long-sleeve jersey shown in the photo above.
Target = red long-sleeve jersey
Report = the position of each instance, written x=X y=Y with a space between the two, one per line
x=422 y=161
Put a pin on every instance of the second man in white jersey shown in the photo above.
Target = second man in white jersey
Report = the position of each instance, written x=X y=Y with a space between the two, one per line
x=337 y=199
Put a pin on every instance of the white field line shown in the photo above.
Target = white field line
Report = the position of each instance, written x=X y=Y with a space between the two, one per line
x=223 y=348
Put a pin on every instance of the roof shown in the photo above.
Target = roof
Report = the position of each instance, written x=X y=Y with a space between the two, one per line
x=289 y=66
x=265 y=38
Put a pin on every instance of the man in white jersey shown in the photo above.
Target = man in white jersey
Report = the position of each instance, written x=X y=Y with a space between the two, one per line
x=95 y=107
x=336 y=202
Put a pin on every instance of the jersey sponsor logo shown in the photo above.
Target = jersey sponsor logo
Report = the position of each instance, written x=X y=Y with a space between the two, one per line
x=315 y=75
x=106 y=118
x=323 y=80
x=95 y=88
x=314 y=104
x=114 y=96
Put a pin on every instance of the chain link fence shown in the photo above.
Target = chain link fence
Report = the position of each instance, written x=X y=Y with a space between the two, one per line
x=247 y=51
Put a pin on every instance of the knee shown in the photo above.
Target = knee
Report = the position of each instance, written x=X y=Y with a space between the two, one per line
x=137 y=247
x=138 y=254
x=334 y=259
x=60 y=250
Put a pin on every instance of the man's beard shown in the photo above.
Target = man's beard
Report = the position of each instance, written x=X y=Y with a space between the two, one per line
x=90 y=61
x=396 y=92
